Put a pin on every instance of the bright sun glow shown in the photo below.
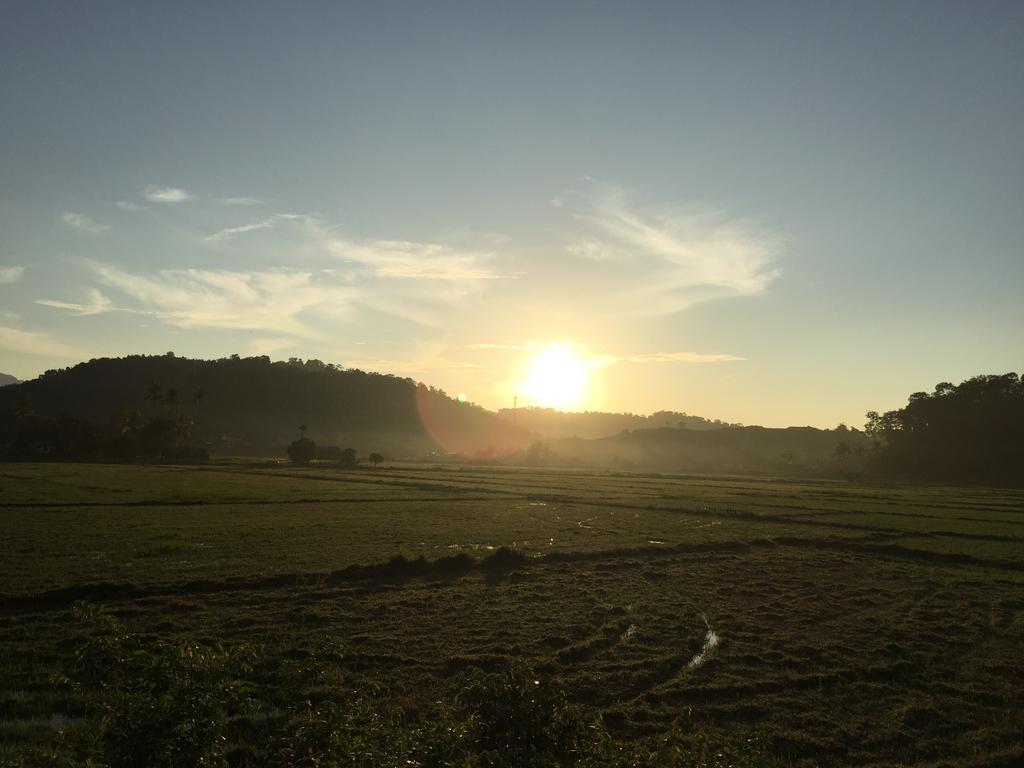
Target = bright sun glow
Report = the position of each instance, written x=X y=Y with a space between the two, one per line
x=556 y=377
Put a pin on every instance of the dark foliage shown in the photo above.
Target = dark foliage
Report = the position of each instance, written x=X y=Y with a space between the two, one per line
x=973 y=431
x=171 y=704
x=165 y=434
x=503 y=559
x=347 y=458
x=302 y=451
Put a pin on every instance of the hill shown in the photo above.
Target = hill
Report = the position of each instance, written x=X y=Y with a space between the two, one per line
x=255 y=405
x=6 y=378
x=549 y=423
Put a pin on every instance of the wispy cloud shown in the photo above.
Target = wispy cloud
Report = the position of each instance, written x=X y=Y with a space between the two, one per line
x=600 y=360
x=269 y=300
x=158 y=194
x=11 y=274
x=506 y=345
x=230 y=232
x=413 y=365
x=127 y=205
x=682 y=357
x=36 y=343
x=406 y=259
x=83 y=224
x=679 y=257
x=95 y=304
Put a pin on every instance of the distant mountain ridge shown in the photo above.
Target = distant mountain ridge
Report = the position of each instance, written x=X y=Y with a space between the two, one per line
x=254 y=406
x=730 y=450
x=6 y=378
x=550 y=423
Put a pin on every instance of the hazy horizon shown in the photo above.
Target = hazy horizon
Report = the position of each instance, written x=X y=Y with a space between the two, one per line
x=777 y=215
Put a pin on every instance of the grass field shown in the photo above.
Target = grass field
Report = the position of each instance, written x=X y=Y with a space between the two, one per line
x=845 y=624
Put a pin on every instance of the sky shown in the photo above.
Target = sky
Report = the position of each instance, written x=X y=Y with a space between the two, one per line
x=782 y=213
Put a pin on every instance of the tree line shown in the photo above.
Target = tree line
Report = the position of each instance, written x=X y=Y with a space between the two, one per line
x=972 y=431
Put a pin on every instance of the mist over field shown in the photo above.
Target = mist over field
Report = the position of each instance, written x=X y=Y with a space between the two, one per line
x=565 y=385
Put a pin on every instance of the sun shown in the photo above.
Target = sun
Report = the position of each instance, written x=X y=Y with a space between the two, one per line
x=556 y=377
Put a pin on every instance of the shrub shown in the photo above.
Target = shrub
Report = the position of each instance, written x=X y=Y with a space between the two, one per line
x=156 y=703
x=302 y=451
x=503 y=559
x=163 y=704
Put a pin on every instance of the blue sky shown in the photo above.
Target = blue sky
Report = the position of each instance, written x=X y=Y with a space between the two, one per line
x=776 y=213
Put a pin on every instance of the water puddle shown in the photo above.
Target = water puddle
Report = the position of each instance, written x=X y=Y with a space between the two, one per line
x=710 y=643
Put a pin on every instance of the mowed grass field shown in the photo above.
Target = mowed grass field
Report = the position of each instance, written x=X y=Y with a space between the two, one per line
x=840 y=623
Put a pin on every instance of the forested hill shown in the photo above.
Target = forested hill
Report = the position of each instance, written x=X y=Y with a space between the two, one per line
x=255 y=404
x=549 y=423
x=6 y=378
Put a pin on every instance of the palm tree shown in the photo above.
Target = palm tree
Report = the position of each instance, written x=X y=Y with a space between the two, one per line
x=154 y=393
x=171 y=399
x=182 y=429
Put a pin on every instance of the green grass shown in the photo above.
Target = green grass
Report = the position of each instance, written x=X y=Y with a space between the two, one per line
x=858 y=624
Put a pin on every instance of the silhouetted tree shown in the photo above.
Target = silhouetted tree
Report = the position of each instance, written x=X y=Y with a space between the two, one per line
x=375 y=459
x=971 y=431
x=171 y=399
x=348 y=458
x=302 y=451
x=154 y=393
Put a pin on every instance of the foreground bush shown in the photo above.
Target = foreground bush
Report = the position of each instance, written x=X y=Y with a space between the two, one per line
x=162 y=704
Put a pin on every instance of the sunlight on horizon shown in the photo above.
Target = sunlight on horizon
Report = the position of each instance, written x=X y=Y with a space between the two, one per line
x=556 y=377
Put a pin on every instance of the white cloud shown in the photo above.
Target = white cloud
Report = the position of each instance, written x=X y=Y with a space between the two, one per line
x=35 y=343
x=230 y=232
x=411 y=280
x=306 y=223
x=95 y=304
x=406 y=259
x=158 y=194
x=200 y=298
x=83 y=223
x=677 y=257
x=127 y=205
x=11 y=274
